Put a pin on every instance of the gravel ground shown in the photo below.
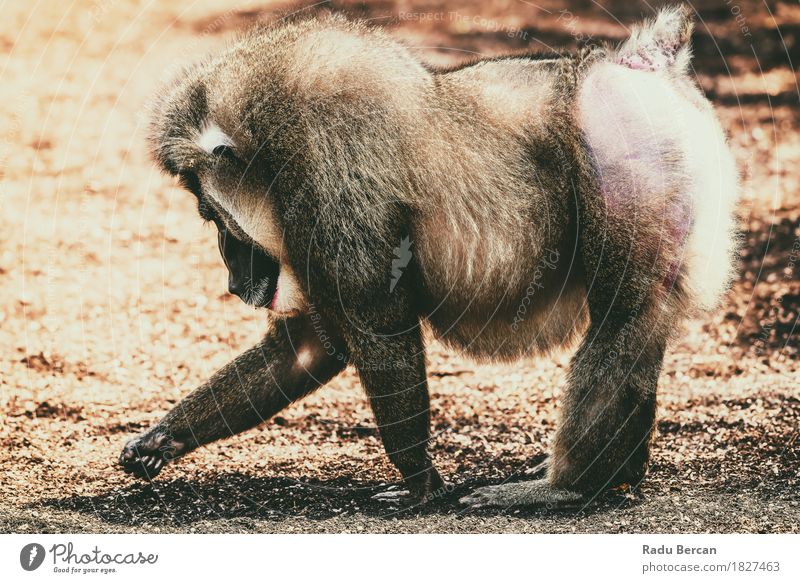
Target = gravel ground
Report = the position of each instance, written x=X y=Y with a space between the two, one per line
x=113 y=302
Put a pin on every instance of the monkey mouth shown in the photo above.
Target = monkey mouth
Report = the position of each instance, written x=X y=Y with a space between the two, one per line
x=268 y=295
x=262 y=293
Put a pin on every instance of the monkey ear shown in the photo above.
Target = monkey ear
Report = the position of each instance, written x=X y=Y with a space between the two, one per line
x=213 y=140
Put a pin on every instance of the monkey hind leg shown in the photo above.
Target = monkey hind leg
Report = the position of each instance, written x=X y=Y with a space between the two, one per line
x=608 y=408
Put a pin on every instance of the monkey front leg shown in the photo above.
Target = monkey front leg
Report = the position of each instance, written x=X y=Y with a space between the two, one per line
x=286 y=365
x=392 y=371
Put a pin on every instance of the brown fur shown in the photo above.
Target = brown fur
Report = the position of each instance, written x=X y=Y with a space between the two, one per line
x=533 y=218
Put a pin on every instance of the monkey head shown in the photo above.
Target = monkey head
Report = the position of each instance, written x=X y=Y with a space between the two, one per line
x=252 y=273
x=232 y=189
x=272 y=144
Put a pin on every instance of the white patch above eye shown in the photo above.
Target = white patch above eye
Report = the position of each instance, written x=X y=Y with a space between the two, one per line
x=211 y=137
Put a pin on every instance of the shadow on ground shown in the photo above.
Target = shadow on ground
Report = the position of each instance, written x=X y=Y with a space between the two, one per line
x=226 y=496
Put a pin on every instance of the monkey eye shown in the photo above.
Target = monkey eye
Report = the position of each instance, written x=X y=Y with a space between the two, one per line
x=205 y=210
x=190 y=182
x=223 y=150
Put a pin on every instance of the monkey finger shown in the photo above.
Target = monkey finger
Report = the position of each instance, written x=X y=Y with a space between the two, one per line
x=128 y=455
x=158 y=465
x=392 y=496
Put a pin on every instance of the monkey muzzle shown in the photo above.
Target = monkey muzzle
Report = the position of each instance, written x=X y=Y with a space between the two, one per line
x=252 y=274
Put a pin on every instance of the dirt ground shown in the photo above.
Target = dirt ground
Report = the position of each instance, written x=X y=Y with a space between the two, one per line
x=113 y=300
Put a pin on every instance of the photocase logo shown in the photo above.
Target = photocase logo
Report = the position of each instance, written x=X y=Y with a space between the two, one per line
x=31 y=556
x=402 y=257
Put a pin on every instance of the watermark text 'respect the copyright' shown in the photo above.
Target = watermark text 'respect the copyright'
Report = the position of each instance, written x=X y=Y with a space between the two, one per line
x=465 y=20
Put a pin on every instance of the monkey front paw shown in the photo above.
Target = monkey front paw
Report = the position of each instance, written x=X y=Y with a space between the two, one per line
x=392 y=495
x=144 y=456
x=536 y=493
x=423 y=487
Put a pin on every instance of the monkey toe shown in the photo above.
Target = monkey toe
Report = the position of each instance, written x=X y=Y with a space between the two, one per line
x=536 y=493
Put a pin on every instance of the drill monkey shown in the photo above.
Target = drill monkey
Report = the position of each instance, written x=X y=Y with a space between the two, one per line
x=318 y=146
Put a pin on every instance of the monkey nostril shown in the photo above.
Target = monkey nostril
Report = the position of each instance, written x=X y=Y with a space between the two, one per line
x=234 y=287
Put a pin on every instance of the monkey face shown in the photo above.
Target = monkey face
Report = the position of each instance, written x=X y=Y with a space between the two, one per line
x=252 y=274
x=234 y=192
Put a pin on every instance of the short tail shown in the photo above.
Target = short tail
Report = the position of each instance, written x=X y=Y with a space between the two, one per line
x=661 y=43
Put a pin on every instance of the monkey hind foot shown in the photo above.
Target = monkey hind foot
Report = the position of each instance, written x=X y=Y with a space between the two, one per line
x=145 y=456
x=534 y=493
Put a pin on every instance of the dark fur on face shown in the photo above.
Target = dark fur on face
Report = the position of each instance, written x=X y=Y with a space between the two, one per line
x=252 y=274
